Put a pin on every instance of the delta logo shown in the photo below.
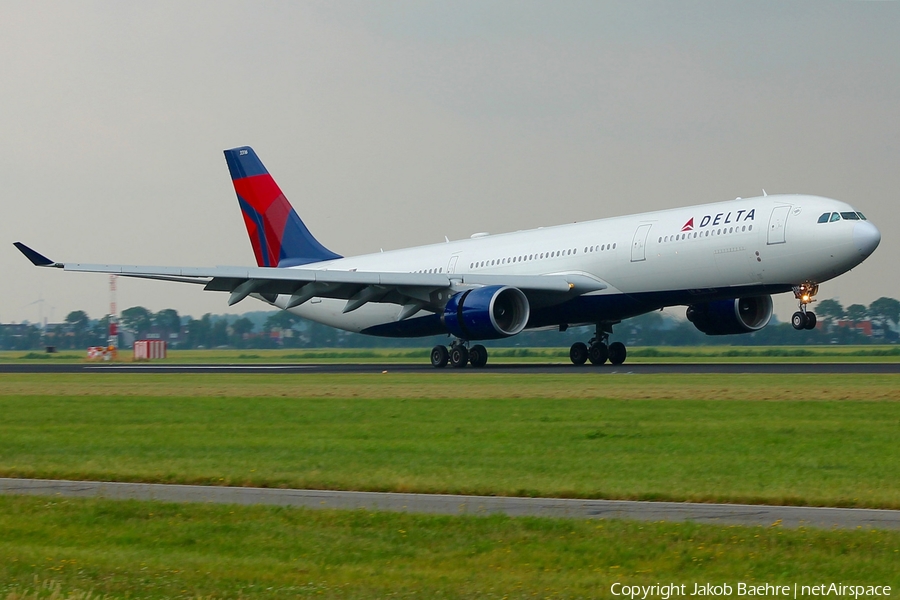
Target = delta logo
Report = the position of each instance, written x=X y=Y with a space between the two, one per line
x=740 y=216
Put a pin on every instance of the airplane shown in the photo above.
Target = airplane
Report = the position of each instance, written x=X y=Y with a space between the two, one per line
x=723 y=261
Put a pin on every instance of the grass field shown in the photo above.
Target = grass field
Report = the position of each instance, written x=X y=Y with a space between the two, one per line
x=815 y=440
x=808 y=439
x=886 y=353
x=154 y=550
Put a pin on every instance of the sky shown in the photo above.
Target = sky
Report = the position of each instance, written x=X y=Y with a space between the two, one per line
x=397 y=123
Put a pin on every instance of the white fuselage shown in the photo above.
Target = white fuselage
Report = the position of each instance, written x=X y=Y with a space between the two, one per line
x=768 y=243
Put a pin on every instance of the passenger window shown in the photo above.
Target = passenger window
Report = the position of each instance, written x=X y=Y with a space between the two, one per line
x=849 y=216
x=835 y=217
x=824 y=218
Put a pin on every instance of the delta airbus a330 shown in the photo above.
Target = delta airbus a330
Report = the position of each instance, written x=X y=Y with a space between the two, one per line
x=723 y=261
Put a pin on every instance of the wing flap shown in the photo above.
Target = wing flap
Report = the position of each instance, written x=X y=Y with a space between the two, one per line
x=429 y=291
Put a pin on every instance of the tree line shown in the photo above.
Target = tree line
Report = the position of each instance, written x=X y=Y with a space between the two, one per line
x=281 y=329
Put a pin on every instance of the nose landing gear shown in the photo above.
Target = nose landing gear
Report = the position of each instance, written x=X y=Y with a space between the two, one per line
x=803 y=318
x=598 y=350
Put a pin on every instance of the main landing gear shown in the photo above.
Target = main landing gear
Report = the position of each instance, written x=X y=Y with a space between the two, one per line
x=598 y=350
x=458 y=355
x=803 y=318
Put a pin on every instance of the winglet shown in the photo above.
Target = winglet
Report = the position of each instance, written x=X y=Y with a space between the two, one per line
x=36 y=258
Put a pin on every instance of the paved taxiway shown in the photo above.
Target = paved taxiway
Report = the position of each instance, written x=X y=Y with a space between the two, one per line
x=720 y=514
x=512 y=368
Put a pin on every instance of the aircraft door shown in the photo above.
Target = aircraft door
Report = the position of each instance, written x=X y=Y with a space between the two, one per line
x=451 y=267
x=639 y=245
x=776 y=224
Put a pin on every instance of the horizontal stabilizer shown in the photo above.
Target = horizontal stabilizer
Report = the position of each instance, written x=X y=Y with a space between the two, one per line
x=36 y=258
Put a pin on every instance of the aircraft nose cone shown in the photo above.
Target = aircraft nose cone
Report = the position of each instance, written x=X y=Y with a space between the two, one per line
x=866 y=237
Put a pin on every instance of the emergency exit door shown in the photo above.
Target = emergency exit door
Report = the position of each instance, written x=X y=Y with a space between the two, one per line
x=639 y=245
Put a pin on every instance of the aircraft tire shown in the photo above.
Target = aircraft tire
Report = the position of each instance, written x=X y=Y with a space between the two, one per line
x=617 y=353
x=478 y=356
x=798 y=320
x=598 y=354
x=439 y=357
x=578 y=354
x=810 y=320
x=459 y=357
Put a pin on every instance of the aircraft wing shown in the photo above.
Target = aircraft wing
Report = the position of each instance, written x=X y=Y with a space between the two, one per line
x=412 y=291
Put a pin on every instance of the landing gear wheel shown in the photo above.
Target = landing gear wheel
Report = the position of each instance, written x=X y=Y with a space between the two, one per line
x=617 y=353
x=799 y=320
x=598 y=353
x=578 y=354
x=439 y=357
x=810 y=320
x=478 y=356
x=459 y=357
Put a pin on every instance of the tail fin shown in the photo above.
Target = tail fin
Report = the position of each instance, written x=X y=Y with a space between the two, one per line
x=278 y=236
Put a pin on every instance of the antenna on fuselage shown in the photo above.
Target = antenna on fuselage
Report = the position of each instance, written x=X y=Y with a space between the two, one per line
x=764 y=192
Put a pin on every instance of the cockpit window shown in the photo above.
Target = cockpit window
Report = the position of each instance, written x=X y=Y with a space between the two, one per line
x=850 y=216
x=862 y=216
x=824 y=217
x=835 y=217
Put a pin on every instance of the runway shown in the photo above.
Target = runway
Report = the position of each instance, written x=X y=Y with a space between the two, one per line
x=716 y=514
x=508 y=368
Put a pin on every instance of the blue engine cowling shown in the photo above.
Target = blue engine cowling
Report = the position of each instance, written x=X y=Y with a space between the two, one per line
x=486 y=313
x=725 y=317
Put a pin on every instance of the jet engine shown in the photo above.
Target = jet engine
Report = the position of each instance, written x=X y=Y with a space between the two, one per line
x=724 y=317
x=486 y=313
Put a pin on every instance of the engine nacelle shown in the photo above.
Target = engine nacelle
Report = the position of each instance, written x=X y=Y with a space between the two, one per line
x=725 y=317
x=487 y=313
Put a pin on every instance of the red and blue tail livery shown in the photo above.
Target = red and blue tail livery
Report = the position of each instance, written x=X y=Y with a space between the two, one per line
x=278 y=236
